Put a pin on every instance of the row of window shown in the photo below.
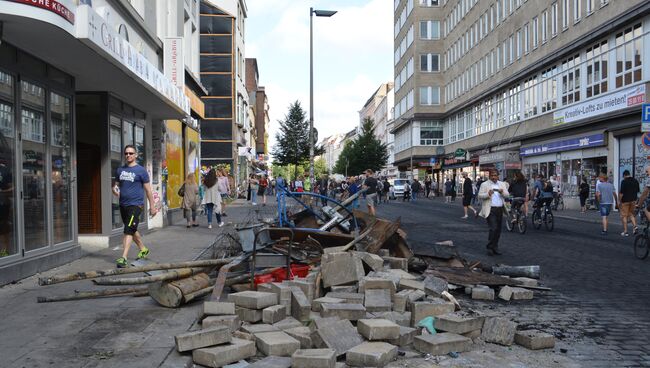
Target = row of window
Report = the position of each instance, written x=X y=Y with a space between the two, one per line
x=403 y=45
x=429 y=132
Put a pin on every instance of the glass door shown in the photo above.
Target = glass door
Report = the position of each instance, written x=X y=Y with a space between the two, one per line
x=8 y=244
x=61 y=168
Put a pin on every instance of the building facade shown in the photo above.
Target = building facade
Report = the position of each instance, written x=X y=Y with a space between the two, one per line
x=552 y=88
x=260 y=105
x=69 y=103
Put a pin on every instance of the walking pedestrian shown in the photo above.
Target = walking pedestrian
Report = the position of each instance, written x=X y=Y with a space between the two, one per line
x=627 y=198
x=453 y=188
x=213 y=199
x=323 y=186
x=477 y=187
x=263 y=185
x=386 y=190
x=353 y=188
x=434 y=188
x=606 y=196
x=253 y=184
x=448 y=188
x=407 y=191
x=131 y=185
x=468 y=193
x=380 y=191
x=371 y=185
x=190 y=193
x=584 y=194
x=427 y=186
x=415 y=189
x=223 y=185
x=492 y=193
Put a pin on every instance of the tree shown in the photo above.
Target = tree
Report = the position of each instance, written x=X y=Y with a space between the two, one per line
x=292 y=147
x=364 y=152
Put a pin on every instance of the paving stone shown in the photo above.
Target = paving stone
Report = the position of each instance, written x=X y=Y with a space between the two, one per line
x=239 y=364
x=313 y=358
x=435 y=286
x=345 y=288
x=402 y=274
x=342 y=271
x=378 y=329
x=272 y=362
x=442 y=343
x=402 y=319
x=472 y=334
x=340 y=336
x=249 y=315
x=316 y=303
x=535 y=339
x=253 y=299
x=373 y=261
x=371 y=354
x=356 y=298
x=276 y=343
x=274 y=313
x=406 y=336
x=499 y=331
x=526 y=281
x=383 y=253
x=324 y=321
x=387 y=275
x=287 y=323
x=409 y=284
x=479 y=293
x=300 y=305
x=434 y=308
x=219 y=356
x=369 y=283
x=505 y=293
x=307 y=287
x=258 y=328
x=302 y=334
x=521 y=294
x=243 y=335
x=397 y=263
x=378 y=300
x=218 y=308
x=348 y=311
x=283 y=291
x=202 y=338
x=336 y=256
x=405 y=297
x=232 y=322
x=459 y=323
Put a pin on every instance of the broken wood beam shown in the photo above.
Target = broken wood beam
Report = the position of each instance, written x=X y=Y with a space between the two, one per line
x=517 y=271
x=90 y=294
x=171 y=275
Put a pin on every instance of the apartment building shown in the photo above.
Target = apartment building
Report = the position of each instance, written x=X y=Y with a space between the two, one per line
x=260 y=104
x=552 y=88
x=380 y=108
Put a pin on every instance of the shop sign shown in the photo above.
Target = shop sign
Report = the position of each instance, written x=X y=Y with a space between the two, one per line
x=593 y=140
x=91 y=28
x=246 y=152
x=645 y=140
x=502 y=156
x=460 y=152
x=50 y=5
x=195 y=102
x=173 y=62
x=601 y=105
x=645 y=118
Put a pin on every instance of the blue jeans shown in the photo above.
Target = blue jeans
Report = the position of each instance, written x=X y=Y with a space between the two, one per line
x=414 y=195
x=209 y=207
x=254 y=195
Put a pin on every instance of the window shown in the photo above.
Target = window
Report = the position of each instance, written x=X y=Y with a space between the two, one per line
x=576 y=10
x=431 y=133
x=498 y=11
x=604 y=2
x=565 y=14
x=429 y=2
x=629 y=48
x=597 y=69
x=500 y=109
x=530 y=97
x=511 y=47
x=553 y=19
x=526 y=39
x=514 y=99
x=430 y=30
x=534 y=27
x=488 y=111
x=571 y=80
x=590 y=6
x=429 y=95
x=544 y=31
x=548 y=89
x=429 y=63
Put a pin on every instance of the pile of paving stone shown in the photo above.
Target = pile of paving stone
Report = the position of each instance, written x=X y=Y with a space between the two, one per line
x=357 y=309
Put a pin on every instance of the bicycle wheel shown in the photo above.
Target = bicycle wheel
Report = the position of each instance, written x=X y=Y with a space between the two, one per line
x=560 y=206
x=641 y=246
x=509 y=220
x=549 y=222
x=521 y=224
x=537 y=219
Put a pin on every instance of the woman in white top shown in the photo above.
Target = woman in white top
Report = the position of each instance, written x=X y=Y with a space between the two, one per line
x=212 y=198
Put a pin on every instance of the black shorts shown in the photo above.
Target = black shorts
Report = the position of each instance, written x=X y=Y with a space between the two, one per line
x=467 y=200
x=130 y=218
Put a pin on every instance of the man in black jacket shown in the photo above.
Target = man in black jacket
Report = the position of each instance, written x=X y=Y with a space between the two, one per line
x=468 y=194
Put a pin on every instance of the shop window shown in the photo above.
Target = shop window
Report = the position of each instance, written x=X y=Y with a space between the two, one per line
x=629 y=48
x=597 y=69
x=61 y=168
x=571 y=80
x=8 y=244
x=116 y=139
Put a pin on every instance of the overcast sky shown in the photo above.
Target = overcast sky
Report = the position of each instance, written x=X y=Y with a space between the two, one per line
x=353 y=55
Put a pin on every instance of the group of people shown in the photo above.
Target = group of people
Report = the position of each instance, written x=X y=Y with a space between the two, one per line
x=209 y=196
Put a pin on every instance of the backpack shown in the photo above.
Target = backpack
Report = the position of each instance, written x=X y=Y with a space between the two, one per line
x=181 y=190
x=548 y=187
x=380 y=186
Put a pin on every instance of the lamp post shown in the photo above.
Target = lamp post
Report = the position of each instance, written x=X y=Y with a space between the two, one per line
x=318 y=13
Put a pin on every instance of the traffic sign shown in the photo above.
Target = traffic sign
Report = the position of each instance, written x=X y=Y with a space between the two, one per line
x=645 y=140
x=645 y=118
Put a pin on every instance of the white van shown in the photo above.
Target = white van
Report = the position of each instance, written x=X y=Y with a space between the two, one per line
x=398 y=187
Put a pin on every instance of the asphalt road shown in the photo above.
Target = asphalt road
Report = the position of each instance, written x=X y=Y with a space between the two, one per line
x=596 y=277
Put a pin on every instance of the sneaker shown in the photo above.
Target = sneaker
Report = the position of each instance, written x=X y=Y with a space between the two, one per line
x=464 y=217
x=121 y=262
x=221 y=224
x=624 y=234
x=635 y=230
x=603 y=232
x=209 y=226
x=254 y=204
x=143 y=253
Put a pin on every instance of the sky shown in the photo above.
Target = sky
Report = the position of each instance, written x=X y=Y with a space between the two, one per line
x=353 y=56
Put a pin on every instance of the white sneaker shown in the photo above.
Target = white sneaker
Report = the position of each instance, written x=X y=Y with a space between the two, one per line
x=210 y=226
x=464 y=217
x=221 y=224
x=254 y=204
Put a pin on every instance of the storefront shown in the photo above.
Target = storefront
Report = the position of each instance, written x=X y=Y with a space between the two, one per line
x=454 y=164
x=582 y=157
x=507 y=163
x=633 y=155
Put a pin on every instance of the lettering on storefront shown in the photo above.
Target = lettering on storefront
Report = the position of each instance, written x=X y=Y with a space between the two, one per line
x=173 y=60
x=50 y=5
x=601 y=105
x=593 y=140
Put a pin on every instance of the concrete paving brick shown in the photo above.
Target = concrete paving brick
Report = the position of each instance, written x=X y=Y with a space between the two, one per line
x=373 y=261
x=253 y=299
x=397 y=263
x=378 y=300
x=526 y=281
x=202 y=338
x=409 y=284
x=300 y=305
x=272 y=362
x=505 y=293
x=232 y=322
x=288 y=322
x=302 y=334
x=258 y=328
x=340 y=336
x=499 y=331
x=342 y=271
x=535 y=340
x=356 y=298
x=442 y=343
x=402 y=319
x=249 y=315
x=316 y=303
x=218 y=308
x=521 y=294
x=274 y=313
x=314 y=358
x=345 y=288
x=459 y=323
x=479 y=293
x=276 y=343
x=371 y=354
x=368 y=283
x=219 y=356
x=307 y=287
x=378 y=329
x=434 y=308
x=434 y=286
x=324 y=321
x=348 y=311
x=406 y=336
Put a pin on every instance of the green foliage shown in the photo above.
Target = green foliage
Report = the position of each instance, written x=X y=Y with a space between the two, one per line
x=292 y=147
x=292 y=171
x=364 y=152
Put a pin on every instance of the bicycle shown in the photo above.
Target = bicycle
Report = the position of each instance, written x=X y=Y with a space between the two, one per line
x=516 y=216
x=558 y=202
x=642 y=240
x=545 y=217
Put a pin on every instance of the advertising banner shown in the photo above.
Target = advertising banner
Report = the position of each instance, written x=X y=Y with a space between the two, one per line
x=192 y=149
x=174 y=159
x=601 y=105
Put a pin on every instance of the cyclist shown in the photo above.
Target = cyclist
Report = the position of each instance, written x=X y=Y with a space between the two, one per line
x=543 y=192
x=519 y=192
x=644 y=195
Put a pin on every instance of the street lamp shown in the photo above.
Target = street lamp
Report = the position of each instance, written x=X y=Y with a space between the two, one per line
x=318 y=13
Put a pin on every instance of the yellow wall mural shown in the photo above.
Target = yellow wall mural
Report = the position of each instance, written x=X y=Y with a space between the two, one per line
x=175 y=161
x=192 y=149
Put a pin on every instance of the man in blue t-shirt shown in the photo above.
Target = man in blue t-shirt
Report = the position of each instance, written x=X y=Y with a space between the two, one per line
x=131 y=184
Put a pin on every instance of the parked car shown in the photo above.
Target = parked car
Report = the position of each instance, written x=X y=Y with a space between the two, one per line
x=398 y=187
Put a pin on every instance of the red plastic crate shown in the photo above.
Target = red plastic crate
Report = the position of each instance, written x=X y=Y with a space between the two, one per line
x=263 y=279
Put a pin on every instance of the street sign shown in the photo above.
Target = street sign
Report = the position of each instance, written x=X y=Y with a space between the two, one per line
x=460 y=152
x=645 y=118
x=645 y=140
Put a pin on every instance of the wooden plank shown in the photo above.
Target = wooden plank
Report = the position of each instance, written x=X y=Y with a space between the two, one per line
x=467 y=277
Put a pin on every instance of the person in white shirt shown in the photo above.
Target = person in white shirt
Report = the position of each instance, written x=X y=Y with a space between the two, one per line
x=493 y=193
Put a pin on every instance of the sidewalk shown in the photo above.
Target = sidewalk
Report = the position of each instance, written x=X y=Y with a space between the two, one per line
x=108 y=332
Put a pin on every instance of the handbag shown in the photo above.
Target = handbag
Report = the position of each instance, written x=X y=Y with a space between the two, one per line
x=181 y=191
